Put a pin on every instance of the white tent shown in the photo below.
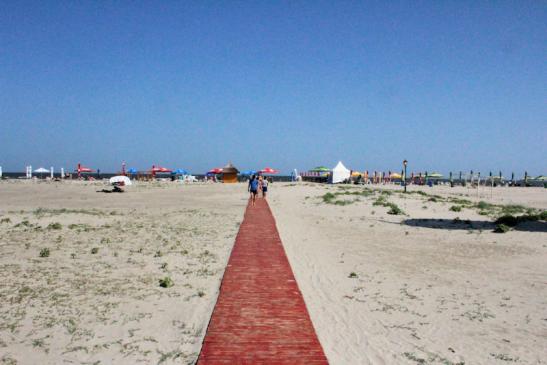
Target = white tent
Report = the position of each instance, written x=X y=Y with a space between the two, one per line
x=340 y=173
x=41 y=171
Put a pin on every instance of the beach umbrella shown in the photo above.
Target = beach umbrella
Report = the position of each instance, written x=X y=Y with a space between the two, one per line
x=269 y=170
x=120 y=180
x=541 y=178
x=41 y=171
x=435 y=175
x=248 y=173
x=180 y=172
x=84 y=169
x=395 y=175
x=132 y=170
x=160 y=169
x=320 y=169
x=81 y=169
x=216 y=170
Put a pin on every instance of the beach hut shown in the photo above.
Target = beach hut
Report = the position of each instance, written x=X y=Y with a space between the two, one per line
x=340 y=173
x=229 y=173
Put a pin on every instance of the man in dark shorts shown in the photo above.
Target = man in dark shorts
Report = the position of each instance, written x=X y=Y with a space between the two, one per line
x=253 y=188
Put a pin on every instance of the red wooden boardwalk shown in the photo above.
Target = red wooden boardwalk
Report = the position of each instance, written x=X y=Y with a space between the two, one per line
x=260 y=316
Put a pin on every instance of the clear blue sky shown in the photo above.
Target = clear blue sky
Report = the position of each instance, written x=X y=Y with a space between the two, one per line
x=448 y=85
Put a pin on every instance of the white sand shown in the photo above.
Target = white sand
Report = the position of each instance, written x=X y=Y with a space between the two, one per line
x=76 y=307
x=438 y=292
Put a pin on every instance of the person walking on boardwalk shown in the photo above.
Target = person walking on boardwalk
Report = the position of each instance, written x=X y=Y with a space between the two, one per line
x=253 y=189
x=264 y=187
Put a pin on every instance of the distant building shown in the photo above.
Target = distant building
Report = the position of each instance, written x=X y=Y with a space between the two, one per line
x=229 y=173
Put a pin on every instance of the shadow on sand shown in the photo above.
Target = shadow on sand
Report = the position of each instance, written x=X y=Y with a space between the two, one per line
x=451 y=224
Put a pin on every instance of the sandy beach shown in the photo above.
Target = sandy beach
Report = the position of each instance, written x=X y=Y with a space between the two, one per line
x=429 y=286
x=96 y=297
x=432 y=285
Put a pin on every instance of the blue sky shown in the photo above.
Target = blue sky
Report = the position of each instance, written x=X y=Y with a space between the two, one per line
x=448 y=85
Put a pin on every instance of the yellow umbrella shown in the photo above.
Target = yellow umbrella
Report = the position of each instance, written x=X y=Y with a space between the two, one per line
x=395 y=175
x=356 y=173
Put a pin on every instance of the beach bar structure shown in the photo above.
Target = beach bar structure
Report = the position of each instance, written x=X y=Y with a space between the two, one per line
x=229 y=173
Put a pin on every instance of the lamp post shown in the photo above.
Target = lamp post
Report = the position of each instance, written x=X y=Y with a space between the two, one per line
x=405 y=162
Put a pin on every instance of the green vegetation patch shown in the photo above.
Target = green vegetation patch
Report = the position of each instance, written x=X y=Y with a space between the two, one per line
x=394 y=209
x=44 y=252
x=332 y=198
x=41 y=212
x=456 y=208
x=502 y=228
x=166 y=282
x=55 y=226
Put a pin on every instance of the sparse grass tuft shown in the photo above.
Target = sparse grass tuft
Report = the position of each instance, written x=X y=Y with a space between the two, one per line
x=5 y=220
x=24 y=223
x=502 y=228
x=456 y=208
x=395 y=210
x=94 y=250
x=328 y=197
x=513 y=221
x=504 y=357
x=513 y=209
x=482 y=205
x=44 y=252
x=166 y=282
x=55 y=225
x=352 y=275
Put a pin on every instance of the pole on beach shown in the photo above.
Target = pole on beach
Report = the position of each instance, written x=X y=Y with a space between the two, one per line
x=471 y=178
x=478 y=183
x=62 y=172
x=405 y=162
x=51 y=172
x=512 y=179
x=491 y=185
x=525 y=178
x=0 y=172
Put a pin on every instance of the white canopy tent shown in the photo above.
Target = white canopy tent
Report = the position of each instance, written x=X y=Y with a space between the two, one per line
x=340 y=173
x=41 y=171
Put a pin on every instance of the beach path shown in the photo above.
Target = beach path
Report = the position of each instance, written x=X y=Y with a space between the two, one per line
x=260 y=316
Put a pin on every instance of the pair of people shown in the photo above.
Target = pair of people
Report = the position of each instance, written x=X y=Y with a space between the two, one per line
x=256 y=184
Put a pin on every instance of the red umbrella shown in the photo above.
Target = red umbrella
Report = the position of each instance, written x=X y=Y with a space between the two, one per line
x=83 y=169
x=269 y=170
x=160 y=169
x=216 y=170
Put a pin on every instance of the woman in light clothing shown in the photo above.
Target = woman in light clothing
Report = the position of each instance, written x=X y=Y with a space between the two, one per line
x=264 y=187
